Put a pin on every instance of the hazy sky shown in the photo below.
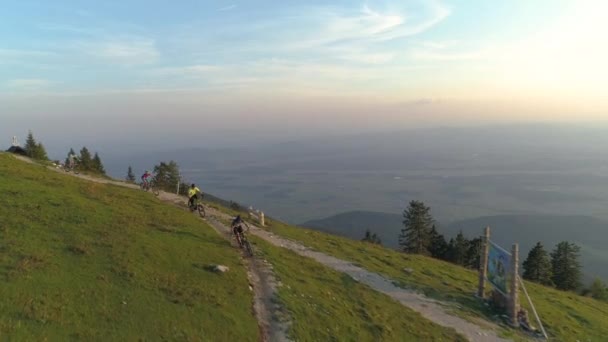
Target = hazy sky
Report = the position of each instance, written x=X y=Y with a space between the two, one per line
x=228 y=67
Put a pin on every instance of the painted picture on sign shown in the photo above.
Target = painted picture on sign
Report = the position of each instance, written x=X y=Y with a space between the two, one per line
x=499 y=262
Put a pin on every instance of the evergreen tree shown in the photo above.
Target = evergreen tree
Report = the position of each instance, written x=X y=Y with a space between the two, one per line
x=86 y=162
x=40 y=152
x=371 y=238
x=438 y=247
x=30 y=145
x=417 y=223
x=566 y=266
x=97 y=165
x=167 y=176
x=537 y=267
x=457 y=249
x=473 y=254
x=130 y=175
x=597 y=290
x=33 y=149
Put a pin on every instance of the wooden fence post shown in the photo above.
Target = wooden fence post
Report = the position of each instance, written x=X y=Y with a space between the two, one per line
x=262 y=223
x=483 y=265
x=514 y=294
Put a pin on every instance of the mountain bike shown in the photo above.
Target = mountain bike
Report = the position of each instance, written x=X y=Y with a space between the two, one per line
x=198 y=206
x=73 y=168
x=149 y=186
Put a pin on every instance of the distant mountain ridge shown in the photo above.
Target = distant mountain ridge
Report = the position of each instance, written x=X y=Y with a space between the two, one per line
x=588 y=232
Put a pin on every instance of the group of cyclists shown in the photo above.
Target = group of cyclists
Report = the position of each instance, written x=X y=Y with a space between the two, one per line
x=193 y=193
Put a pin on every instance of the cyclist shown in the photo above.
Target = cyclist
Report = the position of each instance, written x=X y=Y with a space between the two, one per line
x=192 y=194
x=145 y=179
x=237 y=228
x=71 y=160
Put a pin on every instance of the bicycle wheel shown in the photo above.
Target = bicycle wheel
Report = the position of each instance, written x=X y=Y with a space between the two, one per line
x=155 y=191
x=248 y=248
x=201 y=210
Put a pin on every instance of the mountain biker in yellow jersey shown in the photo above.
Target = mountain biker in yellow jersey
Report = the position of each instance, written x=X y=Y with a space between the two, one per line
x=192 y=193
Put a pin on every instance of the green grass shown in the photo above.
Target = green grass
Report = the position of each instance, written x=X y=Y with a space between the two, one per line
x=567 y=316
x=80 y=260
x=325 y=305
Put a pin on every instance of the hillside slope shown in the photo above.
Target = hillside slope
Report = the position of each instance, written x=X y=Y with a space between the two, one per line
x=590 y=233
x=567 y=316
x=90 y=261
x=87 y=261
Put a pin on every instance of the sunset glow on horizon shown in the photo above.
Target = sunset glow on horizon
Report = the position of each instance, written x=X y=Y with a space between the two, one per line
x=546 y=58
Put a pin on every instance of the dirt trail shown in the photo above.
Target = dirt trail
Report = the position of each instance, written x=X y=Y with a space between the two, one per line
x=264 y=288
x=430 y=309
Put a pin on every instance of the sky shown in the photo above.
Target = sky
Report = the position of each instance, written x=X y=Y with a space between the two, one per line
x=135 y=69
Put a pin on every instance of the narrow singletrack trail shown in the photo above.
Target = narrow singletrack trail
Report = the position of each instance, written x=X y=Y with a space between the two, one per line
x=264 y=286
x=428 y=308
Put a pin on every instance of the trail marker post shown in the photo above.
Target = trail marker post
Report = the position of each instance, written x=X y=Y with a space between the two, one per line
x=514 y=286
x=483 y=265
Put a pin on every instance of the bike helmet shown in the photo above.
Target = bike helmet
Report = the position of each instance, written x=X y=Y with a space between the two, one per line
x=193 y=186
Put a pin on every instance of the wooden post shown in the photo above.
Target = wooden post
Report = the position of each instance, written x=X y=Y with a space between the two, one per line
x=483 y=264
x=262 y=219
x=514 y=293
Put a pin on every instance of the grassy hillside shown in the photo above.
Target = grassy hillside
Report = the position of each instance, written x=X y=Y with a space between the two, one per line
x=567 y=316
x=590 y=233
x=326 y=305
x=96 y=262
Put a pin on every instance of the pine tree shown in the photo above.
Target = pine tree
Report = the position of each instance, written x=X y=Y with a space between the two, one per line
x=97 y=165
x=566 y=266
x=167 y=176
x=537 y=267
x=86 y=162
x=371 y=238
x=40 y=152
x=597 y=290
x=130 y=175
x=457 y=249
x=473 y=254
x=30 y=145
x=438 y=247
x=417 y=223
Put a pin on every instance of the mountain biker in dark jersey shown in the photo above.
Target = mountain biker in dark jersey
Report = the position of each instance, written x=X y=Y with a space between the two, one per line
x=237 y=227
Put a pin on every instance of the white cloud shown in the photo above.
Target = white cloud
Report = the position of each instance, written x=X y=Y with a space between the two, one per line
x=125 y=51
x=18 y=53
x=187 y=71
x=384 y=25
x=22 y=84
x=226 y=8
x=369 y=58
